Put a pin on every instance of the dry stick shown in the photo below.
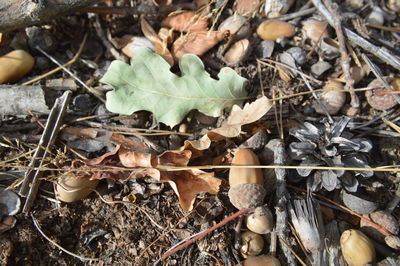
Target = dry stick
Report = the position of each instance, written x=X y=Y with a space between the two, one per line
x=36 y=223
x=281 y=200
x=94 y=91
x=297 y=14
x=70 y=62
x=380 y=52
x=345 y=62
x=317 y=98
x=378 y=227
x=205 y=232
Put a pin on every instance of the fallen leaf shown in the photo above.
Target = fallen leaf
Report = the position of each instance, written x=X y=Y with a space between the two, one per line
x=160 y=47
x=128 y=143
x=148 y=84
x=188 y=184
x=232 y=127
x=197 y=43
x=186 y=21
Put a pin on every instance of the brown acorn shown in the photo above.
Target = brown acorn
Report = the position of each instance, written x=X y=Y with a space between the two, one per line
x=246 y=184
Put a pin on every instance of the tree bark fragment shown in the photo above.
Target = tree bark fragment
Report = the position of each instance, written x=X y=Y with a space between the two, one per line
x=16 y=14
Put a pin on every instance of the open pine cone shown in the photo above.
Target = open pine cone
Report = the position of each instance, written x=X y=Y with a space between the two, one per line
x=326 y=144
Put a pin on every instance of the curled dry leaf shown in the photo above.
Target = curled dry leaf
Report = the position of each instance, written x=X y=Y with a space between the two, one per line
x=232 y=127
x=70 y=188
x=166 y=35
x=186 y=21
x=188 y=183
x=274 y=29
x=247 y=7
x=160 y=46
x=197 y=43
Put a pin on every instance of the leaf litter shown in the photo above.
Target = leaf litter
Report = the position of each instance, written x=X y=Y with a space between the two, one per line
x=137 y=170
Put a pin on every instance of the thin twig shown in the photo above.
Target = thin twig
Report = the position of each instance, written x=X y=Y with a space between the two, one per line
x=37 y=225
x=380 y=52
x=345 y=62
x=94 y=91
x=70 y=62
x=204 y=233
x=297 y=14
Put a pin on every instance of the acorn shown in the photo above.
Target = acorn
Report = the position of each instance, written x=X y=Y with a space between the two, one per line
x=315 y=30
x=380 y=101
x=261 y=221
x=274 y=29
x=357 y=248
x=382 y=218
x=237 y=52
x=15 y=65
x=252 y=244
x=69 y=188
x=238 y=26
x=246 y=184
x=333 y=98
x=262 y=260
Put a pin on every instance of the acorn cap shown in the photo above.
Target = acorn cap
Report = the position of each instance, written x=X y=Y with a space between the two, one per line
x=379 y=102
x=247 y=195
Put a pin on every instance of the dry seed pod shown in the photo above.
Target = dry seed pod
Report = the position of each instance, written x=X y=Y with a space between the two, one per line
x=277 y=8
x=247 y=7
x=382 y=218
x=69 y=188
x=333 y=98
x=393 y=241
x=15 y=65
x=315 y=30
x=380 y=102
x=186 y=21
x=274 y=29
x=252 y=244
x=246 y=184
x=262 y=260
x=197 y=43
x=238 y=26
x=357 y=248
x=237 y=52
x=261 y=221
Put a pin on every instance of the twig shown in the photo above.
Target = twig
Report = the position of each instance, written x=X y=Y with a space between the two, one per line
x=291 y=68
x=380 y=52
x=281 y=200
x=70 y=62
x=345 y=62
x=297 y=14
x=317 y=98
x=46 y=142
x=107 y=44
x=36 y=223
x=204 y=233
x=95 y=92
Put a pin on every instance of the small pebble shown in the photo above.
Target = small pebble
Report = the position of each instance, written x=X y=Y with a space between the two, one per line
x=320 y=68
x=43 y=38
x=82 y=102
x=266 y=48
x=298 y=54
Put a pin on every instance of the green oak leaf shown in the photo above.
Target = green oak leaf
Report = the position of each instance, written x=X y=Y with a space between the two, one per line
x=148 y=84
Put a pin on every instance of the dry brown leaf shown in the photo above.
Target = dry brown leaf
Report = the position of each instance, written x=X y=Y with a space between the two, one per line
x=160 y=47
x=197 y=43
x=186 y=21
x=232 y=127
x=127 y=142
x=188 y=184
